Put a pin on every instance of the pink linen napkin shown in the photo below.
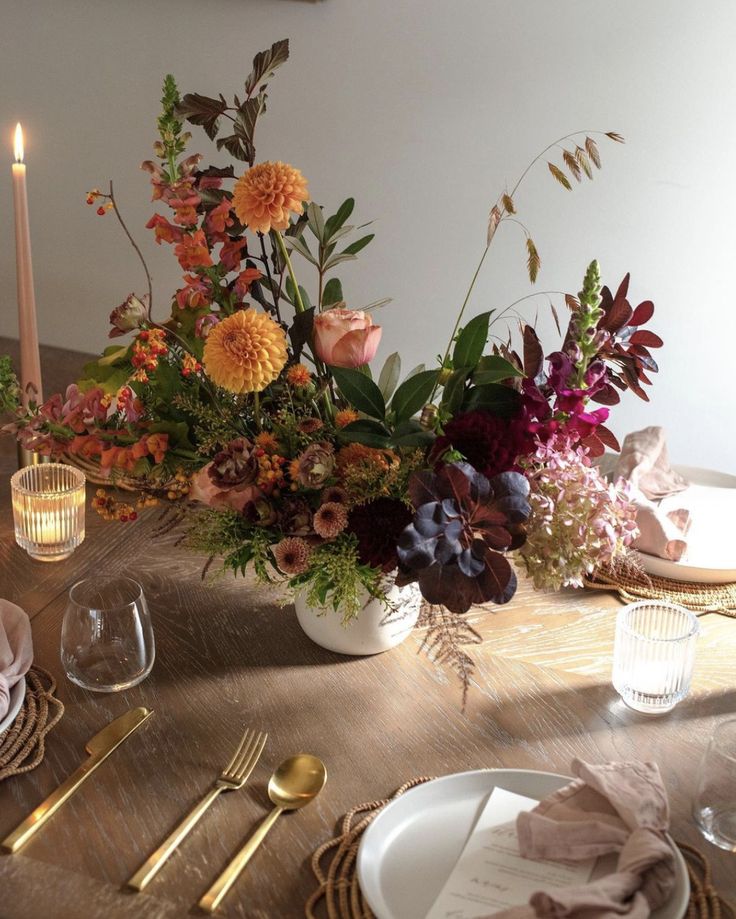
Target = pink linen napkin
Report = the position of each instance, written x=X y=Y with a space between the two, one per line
x=613 y=808
x=645 y=465
x=16 y=650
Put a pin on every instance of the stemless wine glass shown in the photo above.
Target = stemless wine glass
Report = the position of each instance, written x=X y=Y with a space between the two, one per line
x=654 y=655
x=714 y=807
x=106 y=637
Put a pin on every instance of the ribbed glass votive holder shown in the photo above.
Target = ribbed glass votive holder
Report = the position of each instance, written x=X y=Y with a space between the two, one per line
x=654 y=655
x=48 y=510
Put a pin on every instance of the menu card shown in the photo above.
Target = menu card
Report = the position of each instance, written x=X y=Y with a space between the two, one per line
x=491 y=875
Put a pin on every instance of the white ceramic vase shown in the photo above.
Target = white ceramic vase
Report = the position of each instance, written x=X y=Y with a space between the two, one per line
x=377 y=628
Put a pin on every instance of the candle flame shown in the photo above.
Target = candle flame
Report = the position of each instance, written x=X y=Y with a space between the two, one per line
x=18 y=143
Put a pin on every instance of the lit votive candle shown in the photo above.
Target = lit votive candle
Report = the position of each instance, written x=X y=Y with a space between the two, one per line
x=48 y=510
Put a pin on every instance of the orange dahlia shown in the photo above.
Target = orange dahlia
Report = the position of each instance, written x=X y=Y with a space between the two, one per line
x=245 y=352
x=266 y=194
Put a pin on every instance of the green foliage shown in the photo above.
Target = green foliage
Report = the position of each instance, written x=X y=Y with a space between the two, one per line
x=413 y=394
x=471 y=342
x=335 y=576
x=492 y=368
x=360 y=391
x=212 y=427
x=9 y=386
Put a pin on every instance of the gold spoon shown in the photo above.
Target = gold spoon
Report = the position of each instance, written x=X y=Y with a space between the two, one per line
x=296 y=782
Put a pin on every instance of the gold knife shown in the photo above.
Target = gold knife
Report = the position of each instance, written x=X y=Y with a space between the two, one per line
x=99 y=748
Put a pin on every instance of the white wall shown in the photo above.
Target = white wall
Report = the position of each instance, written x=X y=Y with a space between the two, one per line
x=421 y=109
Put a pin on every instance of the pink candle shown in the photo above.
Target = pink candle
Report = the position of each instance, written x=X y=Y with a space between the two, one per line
x=30 y=361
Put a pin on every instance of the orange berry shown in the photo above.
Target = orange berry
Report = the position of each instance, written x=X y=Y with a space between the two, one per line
x=101 y=211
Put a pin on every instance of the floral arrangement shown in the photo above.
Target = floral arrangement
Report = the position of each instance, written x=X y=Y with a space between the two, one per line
x=255 y=408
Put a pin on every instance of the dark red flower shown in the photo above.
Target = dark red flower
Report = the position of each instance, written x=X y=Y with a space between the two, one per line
x=489 y=443
x=378 y=525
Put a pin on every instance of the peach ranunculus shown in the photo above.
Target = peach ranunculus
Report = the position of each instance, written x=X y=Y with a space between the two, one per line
x=267 y=194
x=345 y=338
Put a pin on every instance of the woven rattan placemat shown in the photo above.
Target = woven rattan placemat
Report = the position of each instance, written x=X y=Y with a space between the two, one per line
x=338 y=895
x=23 y=745
x=638 y=585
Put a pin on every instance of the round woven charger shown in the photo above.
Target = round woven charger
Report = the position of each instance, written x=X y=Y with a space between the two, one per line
x=638 y=585
x=23 y=745
x=339 y=896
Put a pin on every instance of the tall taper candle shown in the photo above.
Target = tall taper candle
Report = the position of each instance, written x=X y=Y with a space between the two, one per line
x=30 y=361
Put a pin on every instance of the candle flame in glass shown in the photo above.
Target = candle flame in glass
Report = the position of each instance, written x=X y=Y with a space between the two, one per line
x=18 y=143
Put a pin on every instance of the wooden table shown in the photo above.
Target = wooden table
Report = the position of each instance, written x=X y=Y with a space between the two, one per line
x=228 y=656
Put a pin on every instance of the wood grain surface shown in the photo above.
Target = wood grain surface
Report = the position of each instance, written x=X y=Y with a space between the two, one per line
x=228 y=656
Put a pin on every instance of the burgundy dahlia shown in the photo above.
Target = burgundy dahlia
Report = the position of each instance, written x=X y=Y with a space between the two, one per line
x=378 y=525
x=489 y=443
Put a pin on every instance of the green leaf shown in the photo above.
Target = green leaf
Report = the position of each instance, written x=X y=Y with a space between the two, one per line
x=301 y=331
x=492 y=368
x=332 y=292
x=178 y=432
x=389 y=376
x=454 y=390
x=366 y=432
x=361 y=392
x=337 y=259
x=413 y=394
x=112 y=354
x=316 y=220
x=354 y=248
x=300 y=246
x=494 y=398
x=337 y=220
x=411 y=434
x=305 y=298
x=414 y=371
x=265 y=62
x=471 y=341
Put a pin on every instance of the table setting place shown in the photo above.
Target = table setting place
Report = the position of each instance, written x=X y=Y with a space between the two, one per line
x=232 y=530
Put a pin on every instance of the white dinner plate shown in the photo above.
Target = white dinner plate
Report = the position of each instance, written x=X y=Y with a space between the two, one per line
x=410 y=849
x=17 y=694
x=711 y=552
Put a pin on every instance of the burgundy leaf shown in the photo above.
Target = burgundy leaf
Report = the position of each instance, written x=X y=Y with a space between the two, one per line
x=607 y=396
x=533 y=353
x=607 y=437
x=645 y=337
x=643 y=313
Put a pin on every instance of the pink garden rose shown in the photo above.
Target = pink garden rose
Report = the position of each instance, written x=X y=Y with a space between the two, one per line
x=204 y=490
x=345 y=338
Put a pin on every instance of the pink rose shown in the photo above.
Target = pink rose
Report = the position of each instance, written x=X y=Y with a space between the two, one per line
x=345 y=338
x=204 y=490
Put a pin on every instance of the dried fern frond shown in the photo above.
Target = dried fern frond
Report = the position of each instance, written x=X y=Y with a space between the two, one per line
x=572 y=302
x=591 y=148
x=494 y=218
x=533 y=261
x=614 y=136
x=508 y=203
x=560 y=176
x=581 y=158
x=572 y=165
x=447 y=634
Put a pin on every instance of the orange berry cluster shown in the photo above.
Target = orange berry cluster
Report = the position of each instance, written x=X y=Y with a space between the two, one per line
x=271 y=471
x=179 y=486
x=95 y=195
x=109 y=508
x=190 y=365
x=147 y=348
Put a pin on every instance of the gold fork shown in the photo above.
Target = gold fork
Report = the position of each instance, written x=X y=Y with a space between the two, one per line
x=233 y=777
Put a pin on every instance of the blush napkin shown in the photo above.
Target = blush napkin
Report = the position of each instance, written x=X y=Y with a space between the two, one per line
x=613 y=808
x=16 y=650
x=662 y=524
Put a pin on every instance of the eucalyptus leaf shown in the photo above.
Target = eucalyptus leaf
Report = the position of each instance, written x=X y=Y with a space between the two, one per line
x=361 y=392
x=413 y=394
x=316 y=221
x=300 y=246
x=359 y=244
x=471 y=342
x=389 y=376
x=337 y=259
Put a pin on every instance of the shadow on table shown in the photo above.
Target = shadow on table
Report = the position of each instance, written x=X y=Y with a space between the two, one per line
x=536 y=715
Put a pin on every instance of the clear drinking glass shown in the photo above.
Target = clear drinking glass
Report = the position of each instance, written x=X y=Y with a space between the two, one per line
x=48 y=510
x=106 y=637
x=654 y=655
x=714 y=807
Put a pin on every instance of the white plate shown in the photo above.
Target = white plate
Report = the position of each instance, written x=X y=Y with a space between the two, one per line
x=711 y=553
x=409 y=850
x=17 y=694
